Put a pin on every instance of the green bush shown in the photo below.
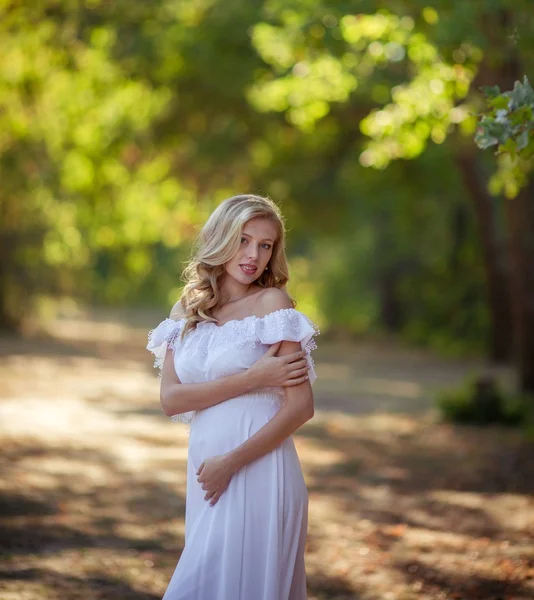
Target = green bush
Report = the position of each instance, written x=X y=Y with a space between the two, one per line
x=480 y=401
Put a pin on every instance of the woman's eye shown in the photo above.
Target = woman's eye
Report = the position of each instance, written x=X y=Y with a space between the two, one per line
x=264 y=245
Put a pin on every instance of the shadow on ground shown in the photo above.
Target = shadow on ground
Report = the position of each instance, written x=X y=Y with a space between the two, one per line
x=401 y=507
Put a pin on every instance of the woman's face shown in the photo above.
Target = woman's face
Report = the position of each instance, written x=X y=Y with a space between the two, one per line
x=256 y=248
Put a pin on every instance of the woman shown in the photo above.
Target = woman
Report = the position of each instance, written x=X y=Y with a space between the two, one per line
x=236 y=365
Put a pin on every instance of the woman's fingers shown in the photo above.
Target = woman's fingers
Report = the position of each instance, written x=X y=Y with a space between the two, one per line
x=209 y=494
x=298 y=355
x=213 y=496
x=273 y=349
x=300 y=369
x=299 y=380
x=297 y=366
x=293 y=367
x=299 y=372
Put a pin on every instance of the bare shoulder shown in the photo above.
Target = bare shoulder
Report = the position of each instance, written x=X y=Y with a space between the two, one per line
x=177 y=312
x=272 y=299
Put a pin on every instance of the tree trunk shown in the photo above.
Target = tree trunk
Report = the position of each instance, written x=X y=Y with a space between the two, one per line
x=10 y=310
x=8 y=322
x=520 y=215
x=497 y=279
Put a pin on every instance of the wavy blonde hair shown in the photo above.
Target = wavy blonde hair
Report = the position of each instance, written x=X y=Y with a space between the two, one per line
x=217 y=242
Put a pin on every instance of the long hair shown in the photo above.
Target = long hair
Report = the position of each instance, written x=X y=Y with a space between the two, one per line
x=217 y=242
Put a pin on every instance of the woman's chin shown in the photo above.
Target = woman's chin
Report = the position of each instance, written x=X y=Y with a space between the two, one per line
x=243 y=278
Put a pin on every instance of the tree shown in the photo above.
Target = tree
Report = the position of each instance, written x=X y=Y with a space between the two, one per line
x=123 y=123
x=422 y=67
x=82 y=177
x=509 y=125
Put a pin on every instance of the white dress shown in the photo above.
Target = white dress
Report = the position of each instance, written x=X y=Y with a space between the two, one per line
x=250 y=544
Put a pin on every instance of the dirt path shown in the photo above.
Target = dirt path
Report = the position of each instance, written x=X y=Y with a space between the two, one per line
x=401 y=507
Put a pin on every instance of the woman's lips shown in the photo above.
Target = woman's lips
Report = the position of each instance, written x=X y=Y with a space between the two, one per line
x=249 y=270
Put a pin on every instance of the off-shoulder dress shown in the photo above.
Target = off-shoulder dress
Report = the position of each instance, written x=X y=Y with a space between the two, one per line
x=250 y=544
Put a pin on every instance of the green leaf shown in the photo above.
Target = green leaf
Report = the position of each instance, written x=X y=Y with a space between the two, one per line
x=522 y=94
x=491 y=91
x=483 y=140
x=521 y=115
x=509 y=146
x=499 y=102
x=522 y=140
x=528 y=88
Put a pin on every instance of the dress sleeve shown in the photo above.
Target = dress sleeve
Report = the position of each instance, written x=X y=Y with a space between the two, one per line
x=293 y=326
x=165 y=335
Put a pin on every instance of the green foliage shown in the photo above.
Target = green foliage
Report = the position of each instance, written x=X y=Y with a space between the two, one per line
x=481 y=401
x=83 y=179
x=403 y=77
x=123 y=123
x=509 y=125
x=374 y=57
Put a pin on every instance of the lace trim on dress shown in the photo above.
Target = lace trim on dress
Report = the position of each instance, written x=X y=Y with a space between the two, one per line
x=167 y=335
x=282 y=324
x=292 y=325
x=162 y=337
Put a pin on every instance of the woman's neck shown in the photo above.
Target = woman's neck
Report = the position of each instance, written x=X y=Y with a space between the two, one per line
x=234 y=293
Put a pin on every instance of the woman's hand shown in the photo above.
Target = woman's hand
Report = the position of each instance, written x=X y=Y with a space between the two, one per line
x=214 y=475
x=285 y=371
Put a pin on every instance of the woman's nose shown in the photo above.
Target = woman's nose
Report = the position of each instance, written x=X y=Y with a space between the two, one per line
x=252 y=251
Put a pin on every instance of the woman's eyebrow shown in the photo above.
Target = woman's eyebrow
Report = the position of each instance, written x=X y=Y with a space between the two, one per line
x=263 y=240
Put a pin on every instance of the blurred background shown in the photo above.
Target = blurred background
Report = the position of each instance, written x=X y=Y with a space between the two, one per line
x=122 y=125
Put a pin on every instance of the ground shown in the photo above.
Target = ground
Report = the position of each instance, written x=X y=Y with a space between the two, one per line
x=402 y=506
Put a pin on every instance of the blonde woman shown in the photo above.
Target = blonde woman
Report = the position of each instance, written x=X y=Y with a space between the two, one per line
x=235 y=364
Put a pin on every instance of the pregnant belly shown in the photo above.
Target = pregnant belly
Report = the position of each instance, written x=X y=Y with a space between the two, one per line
x=221 y=428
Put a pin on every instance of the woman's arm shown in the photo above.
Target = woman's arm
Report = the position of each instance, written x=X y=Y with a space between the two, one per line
x=176 y=397
x=216 y=472
x=286 y=370
x=294 y=412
